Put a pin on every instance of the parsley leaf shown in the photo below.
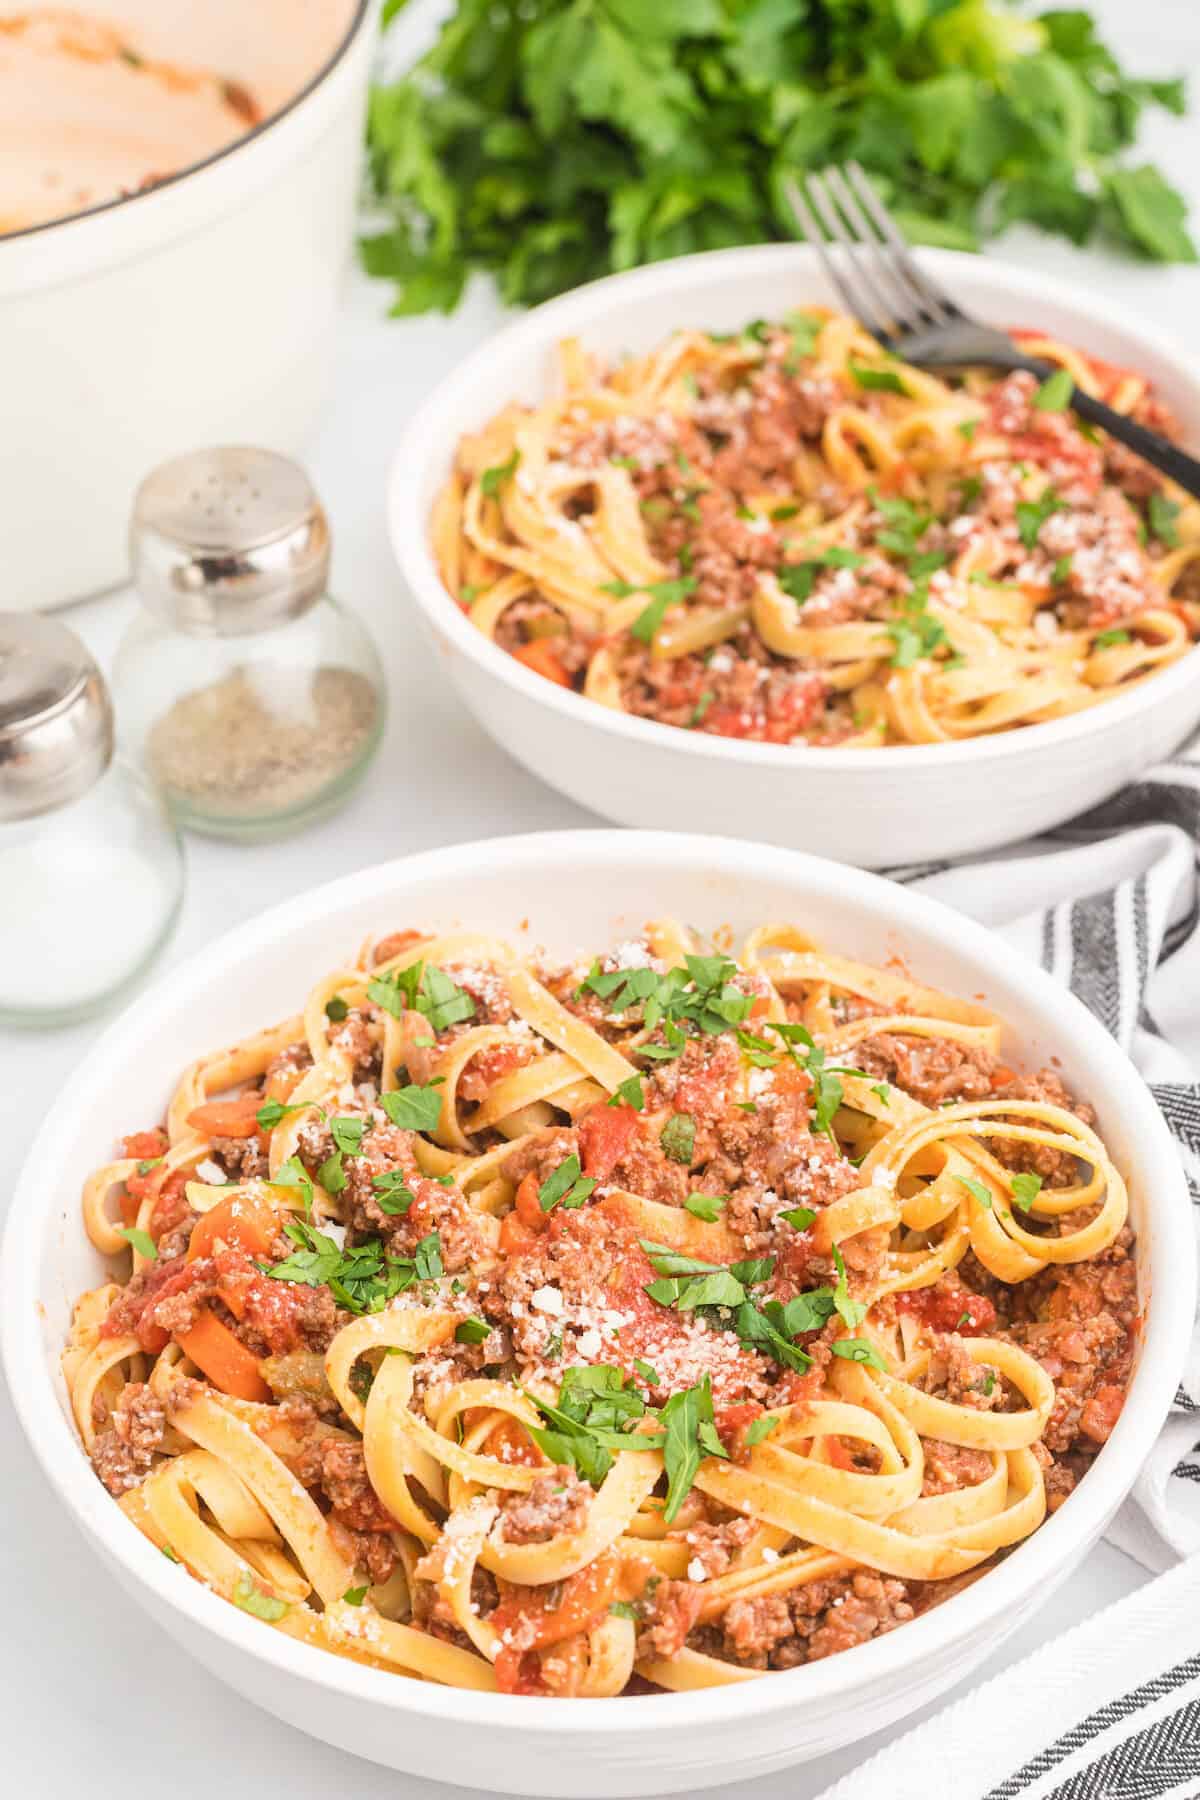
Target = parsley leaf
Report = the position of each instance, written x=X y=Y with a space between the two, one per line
x=887 y=381
x=354 y=1596
x=705 y=1206
x=567 y=1185
x=1107 y=640
x=690 y=1434
x=629 y=1093
x=1054 y=395
x=271 y=1111
x=392 y=1192
x=1032 y=515
x=799 y=1216
x=493 y=479
x=760 y=1428
x=250 y=1597
x=662 y=595
x=472 y=1331
x=1161 y=515
x=142 y=1242
x=1025 y=1190
x=976 y=1189
x=413 y=1108
x=859 y=1350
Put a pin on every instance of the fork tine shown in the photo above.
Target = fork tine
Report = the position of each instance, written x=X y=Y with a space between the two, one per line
x=905 y=305
x=816 y=239
x=932 y=299
x=862 y=253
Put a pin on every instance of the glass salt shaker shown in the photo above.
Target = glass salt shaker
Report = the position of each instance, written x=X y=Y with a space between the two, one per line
x=91 y=870
x=254 y=698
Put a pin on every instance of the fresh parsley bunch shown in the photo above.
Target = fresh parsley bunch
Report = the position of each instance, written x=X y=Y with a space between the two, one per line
x=551 y=141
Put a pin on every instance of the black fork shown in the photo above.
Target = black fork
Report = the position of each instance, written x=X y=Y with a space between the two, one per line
x=880 y=281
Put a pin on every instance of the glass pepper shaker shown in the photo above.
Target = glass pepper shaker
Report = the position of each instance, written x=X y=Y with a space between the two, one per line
x=254 y=698
x=91 y=870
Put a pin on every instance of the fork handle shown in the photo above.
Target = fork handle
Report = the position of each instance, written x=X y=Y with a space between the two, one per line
x=1151 y=446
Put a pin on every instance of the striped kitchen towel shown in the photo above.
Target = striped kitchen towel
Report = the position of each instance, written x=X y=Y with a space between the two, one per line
x=1110 y=1711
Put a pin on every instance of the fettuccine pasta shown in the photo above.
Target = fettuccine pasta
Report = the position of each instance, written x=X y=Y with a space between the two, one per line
x=648 y=1323
x=785 y=534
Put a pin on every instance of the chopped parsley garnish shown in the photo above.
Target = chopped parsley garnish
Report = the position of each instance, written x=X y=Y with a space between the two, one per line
x=567 y=1186
x=648 y=1375
x=976 y=1189
x=393 y=1195
x=678 y=1137
x=336 y=1009
x=799 y=579
x=595 y=1409
x=142 y=1242
x=850 y=1312
x=700 y=710
x=293 y=1174
x=1025 y=1190
x=150 y=1162
x=629 y=1093
x=1032 y=515
x=904 y=523
x=1107 y=640
x=413 y=1108
x=493 y=479
x=1061 y=572
x=859 y=1350
x=472 y=1331
x=967 y=428
x=354 y=1596
x=882 y=1092
x=331 y=1174
x=169 y=1553
x=688 y=1284
x=272 y=1111
x=250 y=1597
x=705 y=1206
x=760 y=1428
x=887 y=381
x=689 y=1435
x=362 y=1278
x=799 y=1216
x=423 y=988
x=702 y=995
x=1054 y=395
x=662 y=595
x=915 y=632
x=1161 y=515
x=808 y=1055
x=348 y=1133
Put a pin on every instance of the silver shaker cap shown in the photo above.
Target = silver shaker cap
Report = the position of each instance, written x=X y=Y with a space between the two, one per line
x=228 y=541
x=56 y=720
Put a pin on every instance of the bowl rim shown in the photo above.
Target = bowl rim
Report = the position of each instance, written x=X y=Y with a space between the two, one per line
x=408 y=523
x=28 y=234
x=1035 y=1562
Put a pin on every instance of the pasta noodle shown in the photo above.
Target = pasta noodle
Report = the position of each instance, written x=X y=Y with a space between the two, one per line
x=660 y=1320
x=787 y=535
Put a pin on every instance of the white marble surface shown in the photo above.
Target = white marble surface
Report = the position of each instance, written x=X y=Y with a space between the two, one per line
x=92 y=1696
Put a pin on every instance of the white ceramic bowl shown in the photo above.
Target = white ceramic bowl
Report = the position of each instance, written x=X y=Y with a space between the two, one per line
x=200 y=311
x=578 y=890
x=877 y=808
